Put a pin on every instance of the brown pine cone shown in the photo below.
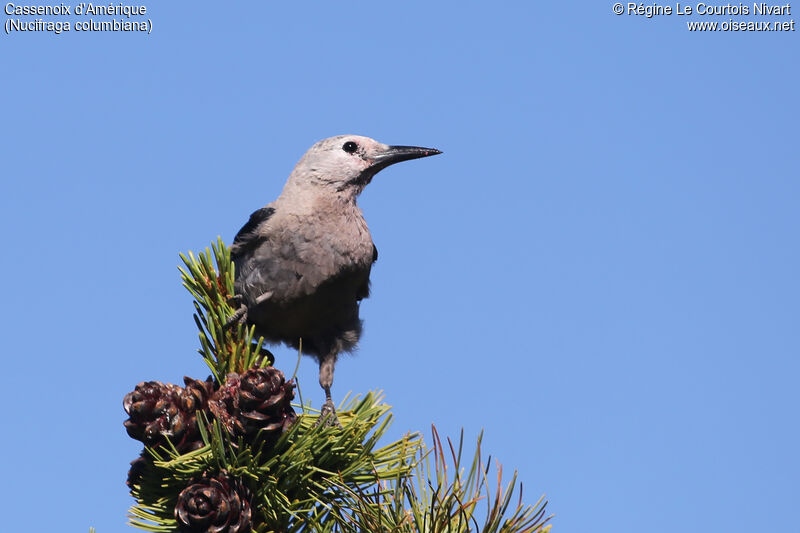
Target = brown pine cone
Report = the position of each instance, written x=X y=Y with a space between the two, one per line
x=216 y=505
x=224 y=405
x=258 y=400
x=137 y=470
x=196 y=394
x=265 y=401
x=158 y=411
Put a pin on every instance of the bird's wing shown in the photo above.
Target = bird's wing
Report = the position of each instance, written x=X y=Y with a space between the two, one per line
x=249 y=236
x=363 y=289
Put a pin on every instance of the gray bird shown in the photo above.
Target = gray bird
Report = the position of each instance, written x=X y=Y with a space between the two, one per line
x=303 y=261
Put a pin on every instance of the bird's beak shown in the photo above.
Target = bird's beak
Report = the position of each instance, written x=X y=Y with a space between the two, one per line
x=396 y=154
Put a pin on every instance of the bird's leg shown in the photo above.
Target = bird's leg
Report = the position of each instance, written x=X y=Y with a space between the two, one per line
x=328 y=414
x=240 y=316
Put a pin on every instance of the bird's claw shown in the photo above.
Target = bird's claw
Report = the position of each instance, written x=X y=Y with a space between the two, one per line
x=327 y=416
x=240 y=315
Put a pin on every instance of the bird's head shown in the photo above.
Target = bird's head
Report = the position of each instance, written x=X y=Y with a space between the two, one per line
x=347 y=163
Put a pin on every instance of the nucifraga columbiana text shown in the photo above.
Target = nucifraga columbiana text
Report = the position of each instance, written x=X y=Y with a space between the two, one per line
x=303 y=261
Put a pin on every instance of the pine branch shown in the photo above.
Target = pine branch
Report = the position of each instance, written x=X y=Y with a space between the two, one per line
x=308 y=468
x=224 y=349
x=232 y=456
x=430 y=502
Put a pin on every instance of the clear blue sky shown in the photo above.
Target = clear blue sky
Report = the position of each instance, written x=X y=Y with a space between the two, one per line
x=601 y=270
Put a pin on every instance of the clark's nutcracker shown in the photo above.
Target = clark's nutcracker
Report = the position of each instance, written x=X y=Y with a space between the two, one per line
x=303 y=261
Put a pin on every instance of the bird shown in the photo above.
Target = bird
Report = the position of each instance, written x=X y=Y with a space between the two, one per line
x=302 y=262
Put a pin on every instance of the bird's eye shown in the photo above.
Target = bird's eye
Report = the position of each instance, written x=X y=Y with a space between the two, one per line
x=350 y=147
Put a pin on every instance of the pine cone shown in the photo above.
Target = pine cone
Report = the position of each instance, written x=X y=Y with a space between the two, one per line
x=137 y=470
x=216 y=505
x=158 y=411
x=196 y=394
x=265 y=401
x=224 y=405
x=258 y=400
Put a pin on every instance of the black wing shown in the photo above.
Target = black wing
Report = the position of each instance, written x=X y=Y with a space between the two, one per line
x=248 y=236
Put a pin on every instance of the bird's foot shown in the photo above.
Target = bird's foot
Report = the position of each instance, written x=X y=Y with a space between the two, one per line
x=240 y=315
x=327 y=416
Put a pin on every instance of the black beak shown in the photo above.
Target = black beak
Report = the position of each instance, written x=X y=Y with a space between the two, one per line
x=396 y=154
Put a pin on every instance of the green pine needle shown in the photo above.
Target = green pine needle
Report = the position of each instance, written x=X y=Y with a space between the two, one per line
x=307 y=467
x=209 y=278
x=322 y=479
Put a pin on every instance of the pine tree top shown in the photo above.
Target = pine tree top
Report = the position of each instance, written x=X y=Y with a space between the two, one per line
x=230 y=455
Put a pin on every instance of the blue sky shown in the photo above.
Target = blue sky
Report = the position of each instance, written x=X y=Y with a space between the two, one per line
x=601 y=271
